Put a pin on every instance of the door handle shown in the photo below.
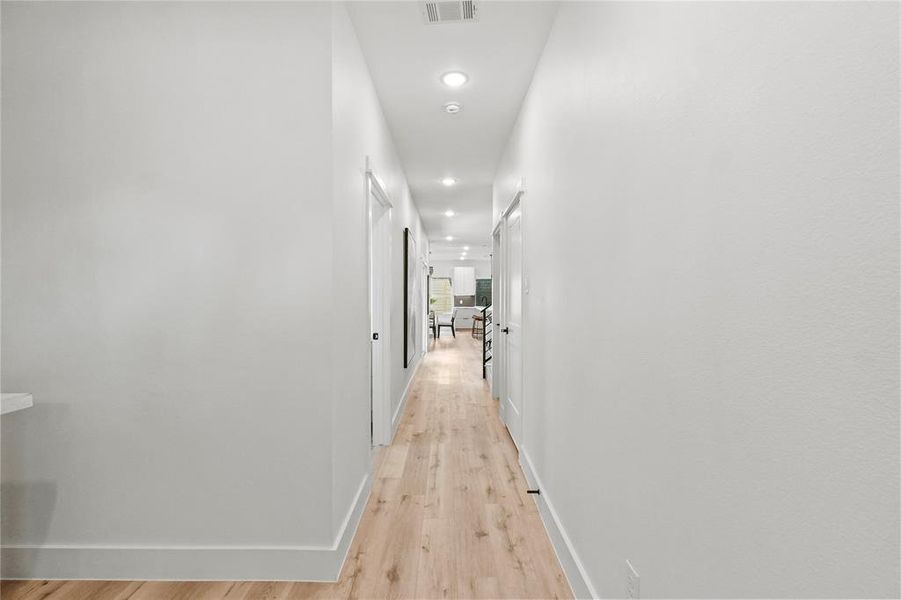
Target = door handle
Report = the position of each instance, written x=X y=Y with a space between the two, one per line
x=375 y=336
x=506 y=330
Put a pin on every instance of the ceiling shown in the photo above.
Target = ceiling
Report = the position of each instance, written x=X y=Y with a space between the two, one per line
x=406 y=58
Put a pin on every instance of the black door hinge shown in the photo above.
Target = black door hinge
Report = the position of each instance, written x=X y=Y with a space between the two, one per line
x=375 y=336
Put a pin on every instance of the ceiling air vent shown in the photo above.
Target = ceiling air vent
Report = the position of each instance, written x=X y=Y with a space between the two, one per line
x=450 y=11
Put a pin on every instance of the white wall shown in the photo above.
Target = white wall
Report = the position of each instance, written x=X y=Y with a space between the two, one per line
x=360 y=130
x=357 y=102
x=180 y=294
x=713 y=198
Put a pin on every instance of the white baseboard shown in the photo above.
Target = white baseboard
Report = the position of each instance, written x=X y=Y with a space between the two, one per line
x=351 y=522
x=399 y=411
x=195 y=563
x=573 y=568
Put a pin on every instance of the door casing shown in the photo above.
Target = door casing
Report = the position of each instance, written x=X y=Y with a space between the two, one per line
x=503 y=370
x=378 y=211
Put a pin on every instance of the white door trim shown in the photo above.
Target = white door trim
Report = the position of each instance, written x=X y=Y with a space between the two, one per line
x=381 y=402
x=375 y=186
x=498 y=293
x=517 y=197
x=497 y=370
x=499 y=374
x=424 y=265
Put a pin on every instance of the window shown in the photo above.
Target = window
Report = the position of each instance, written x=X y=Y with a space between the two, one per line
x=442 y=300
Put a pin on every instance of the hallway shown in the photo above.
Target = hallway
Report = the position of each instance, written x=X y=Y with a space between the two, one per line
x=448 y=516
x=228 y=228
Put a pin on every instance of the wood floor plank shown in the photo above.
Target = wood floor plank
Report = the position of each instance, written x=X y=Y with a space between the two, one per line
x=438 y=565
x=259 y=590
x=448 y=515
x=35 y=589
x=183 y=590
x=97 y=590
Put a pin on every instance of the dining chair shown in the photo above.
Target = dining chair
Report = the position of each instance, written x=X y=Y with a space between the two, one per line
x=447 y=320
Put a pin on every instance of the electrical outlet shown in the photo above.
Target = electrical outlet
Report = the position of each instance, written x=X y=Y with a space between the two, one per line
x=633 y=582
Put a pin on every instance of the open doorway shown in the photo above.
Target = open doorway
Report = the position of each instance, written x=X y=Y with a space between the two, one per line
x=379 y=217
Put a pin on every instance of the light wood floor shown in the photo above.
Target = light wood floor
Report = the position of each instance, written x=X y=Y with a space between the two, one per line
x=448 y=515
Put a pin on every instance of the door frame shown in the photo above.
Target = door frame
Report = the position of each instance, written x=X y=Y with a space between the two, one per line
x=379 y=234
x=427 y=282
x=499 y=374
x=498 y=273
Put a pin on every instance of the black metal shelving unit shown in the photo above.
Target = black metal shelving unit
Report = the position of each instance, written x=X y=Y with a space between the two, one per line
x=487 y=336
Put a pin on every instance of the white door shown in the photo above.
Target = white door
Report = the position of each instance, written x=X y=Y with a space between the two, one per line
x=379 y=248
x=511 y=325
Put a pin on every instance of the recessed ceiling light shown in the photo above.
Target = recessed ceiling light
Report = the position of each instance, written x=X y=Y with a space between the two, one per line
x=466 y=247
x=449 y=213
x=449 y=238
x=454 y=79
x=462 y=258
x=453 y=107
x=448 y=181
